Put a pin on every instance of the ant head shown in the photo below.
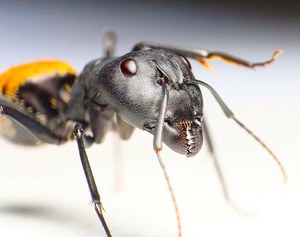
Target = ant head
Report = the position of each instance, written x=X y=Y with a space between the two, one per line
x=133 y=86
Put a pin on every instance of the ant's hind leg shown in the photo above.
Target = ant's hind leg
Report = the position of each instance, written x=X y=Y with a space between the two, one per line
x=38 y=130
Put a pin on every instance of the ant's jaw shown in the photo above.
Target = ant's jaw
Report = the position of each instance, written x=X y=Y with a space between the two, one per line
x=184 y=137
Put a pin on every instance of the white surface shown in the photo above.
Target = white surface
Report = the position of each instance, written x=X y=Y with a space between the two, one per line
x=43 y=191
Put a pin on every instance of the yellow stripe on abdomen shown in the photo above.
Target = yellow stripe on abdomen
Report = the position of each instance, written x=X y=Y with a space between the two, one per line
x=16 y=76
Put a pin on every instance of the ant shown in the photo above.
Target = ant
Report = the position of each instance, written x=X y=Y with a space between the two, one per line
x=151 y=88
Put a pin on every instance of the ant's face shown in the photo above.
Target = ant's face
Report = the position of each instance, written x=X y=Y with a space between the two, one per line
x=133 y=86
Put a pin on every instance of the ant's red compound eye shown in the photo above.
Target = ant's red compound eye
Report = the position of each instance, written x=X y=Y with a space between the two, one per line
x=128 y=67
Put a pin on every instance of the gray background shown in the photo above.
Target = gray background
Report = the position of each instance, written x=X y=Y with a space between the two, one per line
x=43 y=190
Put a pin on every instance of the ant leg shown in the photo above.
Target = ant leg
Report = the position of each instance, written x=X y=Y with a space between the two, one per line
x=216 y=162
x=40 y=131
x=110 y=39
x=79 y=136
x=157 y=145
x=202 y=54
x=229 y=114
x=124 y=129
x=217 y=166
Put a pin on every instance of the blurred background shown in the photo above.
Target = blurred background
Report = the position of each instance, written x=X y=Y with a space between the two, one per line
x=43 y=191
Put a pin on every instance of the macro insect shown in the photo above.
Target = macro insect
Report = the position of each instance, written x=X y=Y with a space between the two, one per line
x=151 y=88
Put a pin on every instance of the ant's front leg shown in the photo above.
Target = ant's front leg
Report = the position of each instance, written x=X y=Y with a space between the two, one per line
x=79 y=136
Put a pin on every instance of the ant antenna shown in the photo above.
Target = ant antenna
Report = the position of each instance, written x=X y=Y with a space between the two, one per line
x=229 y=114
x=157 y=145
